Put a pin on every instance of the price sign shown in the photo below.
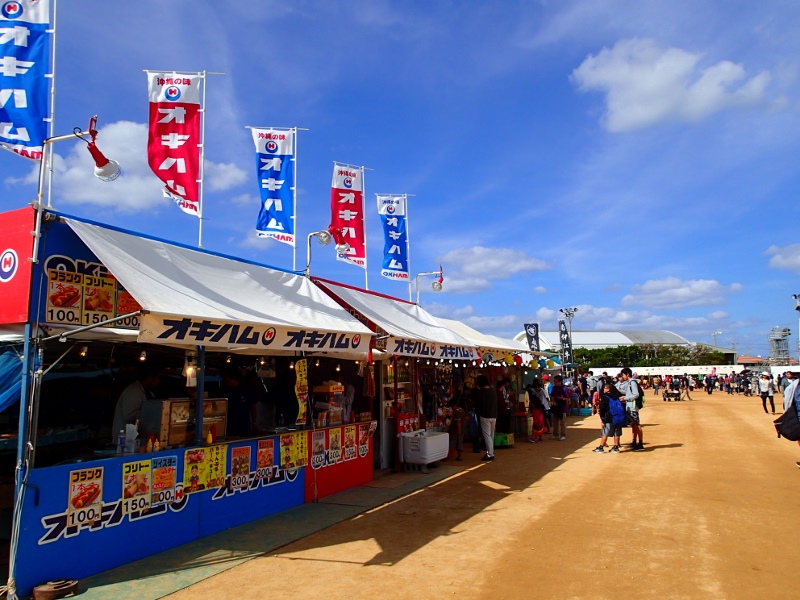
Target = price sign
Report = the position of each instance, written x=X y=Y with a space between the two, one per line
x=85 y=496
x=64 y=297
x=99 y=295
x=136 y=484
x=165 y=476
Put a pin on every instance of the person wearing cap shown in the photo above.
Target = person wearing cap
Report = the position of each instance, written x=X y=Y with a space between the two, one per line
x=766 y=389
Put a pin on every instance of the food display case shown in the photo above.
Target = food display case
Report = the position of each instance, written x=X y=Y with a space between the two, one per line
x=328 y=404
x=172 y=420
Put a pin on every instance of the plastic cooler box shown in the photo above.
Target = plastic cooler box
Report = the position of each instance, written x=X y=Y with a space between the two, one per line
x=424 y=447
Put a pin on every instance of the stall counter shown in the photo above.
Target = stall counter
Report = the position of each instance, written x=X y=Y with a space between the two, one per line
x=84 y=518
x=340 y=458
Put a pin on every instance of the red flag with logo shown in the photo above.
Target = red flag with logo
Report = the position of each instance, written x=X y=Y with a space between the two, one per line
x=347 y=212
x=173 y=144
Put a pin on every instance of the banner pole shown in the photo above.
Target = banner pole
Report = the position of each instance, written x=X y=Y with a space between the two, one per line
x=408 y=245
x=294 y=201
x=364 y=224
x=200 y=170
x=52 y=107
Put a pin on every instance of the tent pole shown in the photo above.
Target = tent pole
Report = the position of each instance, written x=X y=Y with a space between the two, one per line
x=199 y=397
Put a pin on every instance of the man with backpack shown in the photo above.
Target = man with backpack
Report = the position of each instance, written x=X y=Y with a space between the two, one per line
x=634 y=400
x=612 y=414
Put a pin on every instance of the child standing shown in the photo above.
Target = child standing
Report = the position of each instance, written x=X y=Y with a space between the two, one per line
x=538 y=428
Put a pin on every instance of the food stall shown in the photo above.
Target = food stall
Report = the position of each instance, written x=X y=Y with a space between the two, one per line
x=89 y=282
x=405 y=334
x=503 y=358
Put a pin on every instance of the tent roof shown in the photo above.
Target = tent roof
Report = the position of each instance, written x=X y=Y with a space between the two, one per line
x=484 y=342
x=411 y=331
x=249 y=306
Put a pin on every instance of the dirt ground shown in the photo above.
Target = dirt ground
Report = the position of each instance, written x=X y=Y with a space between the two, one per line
x=709 y=510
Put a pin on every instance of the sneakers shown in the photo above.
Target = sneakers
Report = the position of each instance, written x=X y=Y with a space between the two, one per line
x=615 y=449
x=638 y=447
x=599 y=450
x=562 y=438
x=487 y=457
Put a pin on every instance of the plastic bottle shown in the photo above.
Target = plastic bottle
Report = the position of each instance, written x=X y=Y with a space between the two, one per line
x=121 y=442
x=156 y=446
x=209 y=439
x=150 y=444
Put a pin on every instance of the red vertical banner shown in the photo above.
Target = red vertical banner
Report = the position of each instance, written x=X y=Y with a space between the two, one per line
x=173 y=143
x=16 y=249
x=347 y=212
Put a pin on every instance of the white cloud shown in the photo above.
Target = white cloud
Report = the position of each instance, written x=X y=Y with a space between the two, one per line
x=672 y=293
x=223 y=176
x=469 y=270
x=645 y=84
x=785 y=258
x=540 y=289
x=136 y=190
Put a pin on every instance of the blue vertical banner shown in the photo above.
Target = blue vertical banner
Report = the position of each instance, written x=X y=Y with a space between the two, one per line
x=275 y=169
x=392 y=210
x=24 y=87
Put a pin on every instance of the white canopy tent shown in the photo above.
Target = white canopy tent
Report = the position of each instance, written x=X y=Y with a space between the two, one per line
x=408 y=330
x=191 y=297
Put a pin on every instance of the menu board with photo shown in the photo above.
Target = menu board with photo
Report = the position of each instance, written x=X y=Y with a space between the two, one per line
x=136 y=484
x=78 y=299
x=265 y=458
x=85 y=496
x=240 y=467
x=318 y=449
x=350 y=451
x=293 y=450
x=164 y=475
x=335 y=445
x=363 y=439
x=204 y=468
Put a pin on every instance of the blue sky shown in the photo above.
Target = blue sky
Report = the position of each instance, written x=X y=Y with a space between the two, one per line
x=635 y=159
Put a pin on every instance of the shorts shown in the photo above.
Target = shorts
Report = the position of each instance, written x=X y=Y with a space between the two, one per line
x=631 y=417
x=609 y=429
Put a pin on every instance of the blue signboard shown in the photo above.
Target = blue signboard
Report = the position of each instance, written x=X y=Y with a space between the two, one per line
x=84 y=518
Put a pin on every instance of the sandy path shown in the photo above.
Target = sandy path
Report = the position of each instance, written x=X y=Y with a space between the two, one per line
x=710 y=510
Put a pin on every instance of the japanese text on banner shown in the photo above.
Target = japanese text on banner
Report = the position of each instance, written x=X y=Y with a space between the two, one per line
x=347 y=212
x=173 y=143
x=275 y=168
x=392 y=211
x=25 y=55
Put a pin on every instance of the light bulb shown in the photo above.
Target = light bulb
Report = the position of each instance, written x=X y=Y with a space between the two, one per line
x=84 y=351
x=316 y=363
x=143 y=356
x=338 y=368
x=291 y=364
x=262 y=361
x=228 y=359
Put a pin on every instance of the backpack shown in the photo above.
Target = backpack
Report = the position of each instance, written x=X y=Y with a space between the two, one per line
x=640 y=399
x=788 y=424
x=617 y=411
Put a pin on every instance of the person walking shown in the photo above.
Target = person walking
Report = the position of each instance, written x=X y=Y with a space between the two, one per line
x=486 y=407
x=766 y=390
x=631 y=392
x=611 y=404
x=559 y=405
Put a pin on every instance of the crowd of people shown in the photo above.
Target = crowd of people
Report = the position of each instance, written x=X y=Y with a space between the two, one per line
x=616 y=399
